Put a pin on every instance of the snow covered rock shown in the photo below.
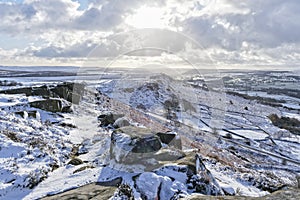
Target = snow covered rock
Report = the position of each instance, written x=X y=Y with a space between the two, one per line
x=51 y=105
x=148 y=184
x=71 y=92
x=173 y=180
x=108 y=119
x=204 y=182
x=132 y=144
x=121 y=122
x=140 y=146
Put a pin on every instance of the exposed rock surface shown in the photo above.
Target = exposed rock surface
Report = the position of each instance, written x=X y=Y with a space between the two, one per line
x=165 y=166
x=95 y=191
x=136 y=145
x=91 y=191
x=133 y=145
x=51 y=105
x=130 y=144
x=172 y=139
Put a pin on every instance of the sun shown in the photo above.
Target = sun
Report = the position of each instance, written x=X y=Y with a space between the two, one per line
x=147 y=17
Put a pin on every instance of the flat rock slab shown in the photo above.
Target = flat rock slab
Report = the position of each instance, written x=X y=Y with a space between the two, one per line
x=90 y=191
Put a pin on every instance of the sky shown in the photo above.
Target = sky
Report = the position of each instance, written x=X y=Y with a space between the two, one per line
x=230 y=33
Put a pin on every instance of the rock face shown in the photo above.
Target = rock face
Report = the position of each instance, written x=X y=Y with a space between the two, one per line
x=57 y=98
x=71 y=92
x=51 y=105
x=171 y=139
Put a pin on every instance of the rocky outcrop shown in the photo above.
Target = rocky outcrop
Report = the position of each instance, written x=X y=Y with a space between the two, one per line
x=71 y=92
x=165 y=164
x=173 y=180
x=140 y=146
x=132 y=145
x=51 y=105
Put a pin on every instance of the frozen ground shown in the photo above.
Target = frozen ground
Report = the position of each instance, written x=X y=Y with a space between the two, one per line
x=34 y=153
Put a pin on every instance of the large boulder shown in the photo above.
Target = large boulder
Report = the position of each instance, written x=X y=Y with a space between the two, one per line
x=131 y=145
x=140 y=146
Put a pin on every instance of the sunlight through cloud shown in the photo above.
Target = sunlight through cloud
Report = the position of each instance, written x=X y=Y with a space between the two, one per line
x=147 y=17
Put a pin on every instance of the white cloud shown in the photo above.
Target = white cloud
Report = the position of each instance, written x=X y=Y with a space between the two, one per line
x=230 y=31
x=37 y=16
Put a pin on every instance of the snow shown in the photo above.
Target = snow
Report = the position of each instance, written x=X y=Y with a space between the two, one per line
x=87 y=127
x=255 y=135
x=29 y=146
x=63 y=179
x=291 y=115
x=148 y=183
x=226 y=179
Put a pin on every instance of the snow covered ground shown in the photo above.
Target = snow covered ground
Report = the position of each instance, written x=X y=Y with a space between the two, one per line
x=35 y=151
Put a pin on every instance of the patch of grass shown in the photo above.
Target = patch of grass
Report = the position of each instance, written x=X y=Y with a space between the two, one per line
x=11 y=135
